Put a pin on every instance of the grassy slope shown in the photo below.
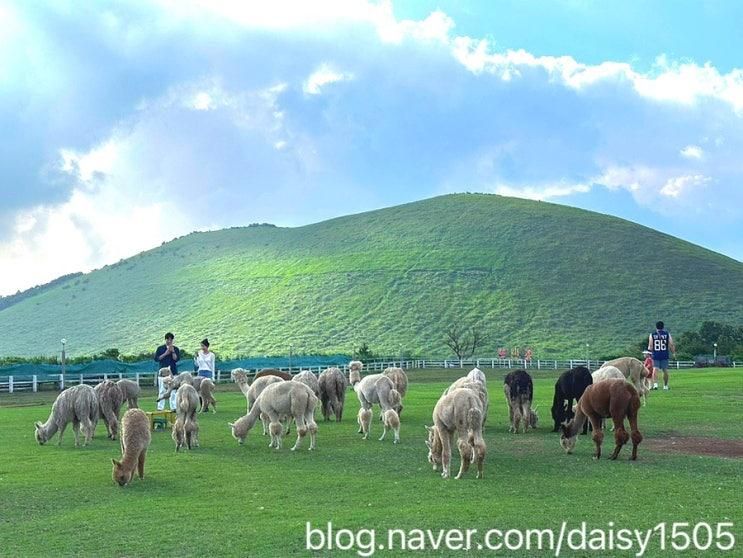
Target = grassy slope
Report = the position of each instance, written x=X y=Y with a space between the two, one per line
x=223 y=499
x=530 y=272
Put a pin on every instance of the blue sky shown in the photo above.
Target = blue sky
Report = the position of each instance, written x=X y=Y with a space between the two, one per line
x=129 y=123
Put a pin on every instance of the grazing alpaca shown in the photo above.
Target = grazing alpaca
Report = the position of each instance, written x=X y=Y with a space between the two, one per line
x=77 y=405
x=569 y=386
x=333 y=386
x=378 y=388
x=308 y=379
x=634 y=371
x=110 y=399
x=135 y=439
x=273 y=372
x=355 y=367
x=280 y=400
x=519 y=390
x=131 y=391
x=610 y=398
x=254 y=393
x=458 y=412
x=186 y=427
x=478 y=387
x=205 y=390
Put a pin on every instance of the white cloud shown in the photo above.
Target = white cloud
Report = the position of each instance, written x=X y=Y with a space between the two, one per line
x=692 y=152
x=678 y=185
x=542 y=192
x=324 y=75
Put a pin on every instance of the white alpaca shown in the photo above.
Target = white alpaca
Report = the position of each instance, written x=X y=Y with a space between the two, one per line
x=377 y=389
x=458 y=412
x=280 y=400
x=77 y=405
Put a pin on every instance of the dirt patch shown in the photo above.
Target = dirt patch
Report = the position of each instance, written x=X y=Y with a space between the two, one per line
x=696 y=445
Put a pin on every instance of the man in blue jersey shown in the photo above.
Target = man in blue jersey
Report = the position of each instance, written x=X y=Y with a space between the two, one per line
x=659 y=343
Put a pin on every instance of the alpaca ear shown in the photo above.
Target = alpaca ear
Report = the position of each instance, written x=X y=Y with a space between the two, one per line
x=428 y=444
x=38 y=425
x=231 y=424
x=428 y=428
x=116 y=463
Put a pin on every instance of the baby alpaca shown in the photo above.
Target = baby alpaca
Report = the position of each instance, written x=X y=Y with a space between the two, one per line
x=391 y=422
x=364 y=419
x=135 y=439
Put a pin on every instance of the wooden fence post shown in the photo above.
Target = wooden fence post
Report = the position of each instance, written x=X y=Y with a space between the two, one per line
x=34 y=383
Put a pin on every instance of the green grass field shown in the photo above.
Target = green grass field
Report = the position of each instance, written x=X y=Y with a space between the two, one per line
x=530 y=273
x=229 y=500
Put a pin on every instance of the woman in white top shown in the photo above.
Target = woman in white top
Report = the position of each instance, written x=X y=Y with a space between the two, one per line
x=204 y=361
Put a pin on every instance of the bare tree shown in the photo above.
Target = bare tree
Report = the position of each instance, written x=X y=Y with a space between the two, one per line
x=464 y=341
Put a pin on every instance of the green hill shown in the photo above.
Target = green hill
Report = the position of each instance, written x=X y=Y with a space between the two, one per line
x=530 y=273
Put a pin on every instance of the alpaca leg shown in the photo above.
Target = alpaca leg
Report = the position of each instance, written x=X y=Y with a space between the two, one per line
x=88 y=428
x=384 y=433
x=75 y=430
x=620 y=437
x=480 y=455
x=312 y=425
x=465 y=455
x=275 y=429
x=140 y=463
x=301 y=432
x=598 y=435
x=445 y=454
x=636 y=436
x=264 y=421
x=397 y=434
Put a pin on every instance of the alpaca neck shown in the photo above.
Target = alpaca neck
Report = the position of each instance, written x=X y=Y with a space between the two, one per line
x=576 y=425
x=50 y=427
x=244 y=387
x=129 y=462
x=252 y=417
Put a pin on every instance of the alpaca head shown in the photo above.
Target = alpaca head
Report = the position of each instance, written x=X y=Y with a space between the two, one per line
x=119 y=475
x=533 y=418
x=566 y=441
x=354 y=376
x=237 y=433
x=434 y=447
x=40 y=433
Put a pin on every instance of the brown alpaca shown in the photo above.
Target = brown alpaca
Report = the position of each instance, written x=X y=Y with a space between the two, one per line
x=273 y=372
x=611 y=398
x=135 y=439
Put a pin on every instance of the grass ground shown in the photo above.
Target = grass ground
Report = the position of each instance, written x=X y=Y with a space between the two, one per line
x=230 y=500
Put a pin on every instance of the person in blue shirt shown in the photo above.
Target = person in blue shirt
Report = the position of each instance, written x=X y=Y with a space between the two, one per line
x=167 y=356
x=659 y=343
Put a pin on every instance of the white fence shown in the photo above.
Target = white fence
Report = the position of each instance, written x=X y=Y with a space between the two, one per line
x=11 y=384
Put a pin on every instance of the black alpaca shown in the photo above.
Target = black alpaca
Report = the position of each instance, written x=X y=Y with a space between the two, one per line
x=569 y=386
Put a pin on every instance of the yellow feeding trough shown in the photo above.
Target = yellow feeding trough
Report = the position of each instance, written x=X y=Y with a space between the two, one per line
x=161 y=419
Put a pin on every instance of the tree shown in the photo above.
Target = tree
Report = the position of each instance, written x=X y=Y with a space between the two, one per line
x=464 y=341
x=364 y=353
